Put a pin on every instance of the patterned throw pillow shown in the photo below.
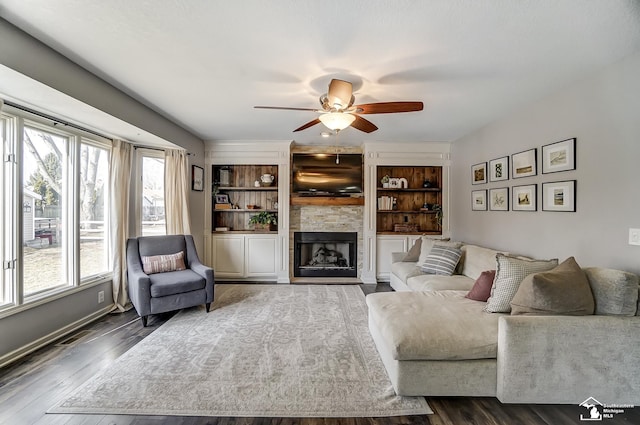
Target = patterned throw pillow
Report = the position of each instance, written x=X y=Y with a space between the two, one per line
x=510 y=272
x=163 y=263
x=441 y=260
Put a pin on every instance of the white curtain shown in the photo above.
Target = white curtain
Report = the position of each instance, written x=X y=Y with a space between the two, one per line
x=176 y=192
x=119 y=183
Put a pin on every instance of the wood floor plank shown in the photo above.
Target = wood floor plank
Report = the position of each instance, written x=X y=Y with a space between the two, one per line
x=31 y=386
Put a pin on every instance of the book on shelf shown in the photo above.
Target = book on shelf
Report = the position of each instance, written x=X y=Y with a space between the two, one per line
x=387 y=203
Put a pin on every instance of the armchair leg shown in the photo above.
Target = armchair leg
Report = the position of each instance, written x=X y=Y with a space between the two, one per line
x=144 y=321
x=207 y=306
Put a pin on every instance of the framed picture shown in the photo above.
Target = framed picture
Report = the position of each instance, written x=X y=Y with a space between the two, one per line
x=499 y=199
x=479 y=200
x=559 y=196
x=524 y=198
x=197 y=178
x=499 y=169
x=222 y=198
x=523 y=164
x=479 y=173
x=559 y=156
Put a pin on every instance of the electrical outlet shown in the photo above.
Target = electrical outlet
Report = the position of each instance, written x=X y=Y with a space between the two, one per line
x=634 y=236
x=100 y=297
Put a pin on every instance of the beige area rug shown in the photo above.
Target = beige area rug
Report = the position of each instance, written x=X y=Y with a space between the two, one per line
x=263 y=351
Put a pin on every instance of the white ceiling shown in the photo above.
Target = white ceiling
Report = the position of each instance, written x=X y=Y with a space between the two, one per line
x=205 y=64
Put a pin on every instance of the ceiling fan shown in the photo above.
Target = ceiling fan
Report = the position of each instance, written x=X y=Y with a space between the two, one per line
x=338 y=111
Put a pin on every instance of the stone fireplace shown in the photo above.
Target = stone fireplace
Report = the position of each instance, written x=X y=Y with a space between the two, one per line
x=325 y=254
x=336 y=219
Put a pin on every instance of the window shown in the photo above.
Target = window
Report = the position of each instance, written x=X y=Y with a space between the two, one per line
x=151 y=193
x=54 y=184
x=44 y=210
x=93 y=196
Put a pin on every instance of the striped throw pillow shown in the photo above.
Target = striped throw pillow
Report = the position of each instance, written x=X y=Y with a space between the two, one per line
x=441 y=260
x=510 y=272
x=163 y=263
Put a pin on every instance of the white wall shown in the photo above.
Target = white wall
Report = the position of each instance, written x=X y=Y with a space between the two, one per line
x=603 y=112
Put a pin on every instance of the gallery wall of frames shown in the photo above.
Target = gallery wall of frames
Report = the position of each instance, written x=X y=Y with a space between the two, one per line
x=554 y=194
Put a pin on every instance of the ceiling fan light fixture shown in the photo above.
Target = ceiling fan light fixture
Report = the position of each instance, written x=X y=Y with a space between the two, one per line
x=337 y=120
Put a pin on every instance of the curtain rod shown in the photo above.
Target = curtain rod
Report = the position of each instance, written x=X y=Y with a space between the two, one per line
x=157 y=149
x=66 y=123
x=54 y=119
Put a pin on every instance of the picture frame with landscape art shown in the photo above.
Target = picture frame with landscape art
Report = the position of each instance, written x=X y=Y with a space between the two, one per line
x=523 y=164
x=499 y=199
x=559 y=196
x=479 y=200
x=524 y=198
x=559 y=156
x=499 y=169
x=479 y=173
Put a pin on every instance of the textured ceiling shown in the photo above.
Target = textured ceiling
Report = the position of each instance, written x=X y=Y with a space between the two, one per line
x=205 y=64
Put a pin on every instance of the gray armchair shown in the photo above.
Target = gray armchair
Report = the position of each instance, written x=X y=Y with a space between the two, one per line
x=161 y=292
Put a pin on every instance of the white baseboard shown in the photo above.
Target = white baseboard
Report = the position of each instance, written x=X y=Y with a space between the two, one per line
x=49 y=338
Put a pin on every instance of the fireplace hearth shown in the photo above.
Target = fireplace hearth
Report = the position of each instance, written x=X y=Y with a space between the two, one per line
x=325 y=254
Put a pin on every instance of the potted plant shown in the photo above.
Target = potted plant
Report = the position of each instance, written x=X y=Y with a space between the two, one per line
x=385 y=180
x=264 y=220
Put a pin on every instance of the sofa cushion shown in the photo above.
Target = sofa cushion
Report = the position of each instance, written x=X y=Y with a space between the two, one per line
x=476 y=259
x=177 y=282
x=428 y=243
x=441 y=325
x=434 y=282
x=563 y=290
x=615 y=292
x=414 y=253
x=441 y=260
x=163 y=263
x=510 y=271
x=481 y=289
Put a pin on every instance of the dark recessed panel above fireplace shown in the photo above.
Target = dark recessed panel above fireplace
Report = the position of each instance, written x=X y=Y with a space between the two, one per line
x=325 y=254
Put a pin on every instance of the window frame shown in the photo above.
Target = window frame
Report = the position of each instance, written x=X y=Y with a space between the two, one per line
x=142 y=153
x=12 y=127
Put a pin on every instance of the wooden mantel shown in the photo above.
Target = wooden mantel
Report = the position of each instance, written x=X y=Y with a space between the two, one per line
x=326 y=200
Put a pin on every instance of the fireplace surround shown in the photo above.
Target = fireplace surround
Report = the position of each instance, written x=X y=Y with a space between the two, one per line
x=325 y=254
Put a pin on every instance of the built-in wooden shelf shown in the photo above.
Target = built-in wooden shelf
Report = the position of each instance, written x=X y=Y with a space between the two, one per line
x=397 y=189
x=429 y=233
x=248 y=188
x=406 y=212
x=326 y=200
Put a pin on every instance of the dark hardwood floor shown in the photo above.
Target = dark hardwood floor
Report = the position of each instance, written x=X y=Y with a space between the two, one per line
x=30 y=386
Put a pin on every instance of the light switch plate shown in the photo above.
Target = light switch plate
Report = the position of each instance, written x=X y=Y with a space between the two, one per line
x=634 y=236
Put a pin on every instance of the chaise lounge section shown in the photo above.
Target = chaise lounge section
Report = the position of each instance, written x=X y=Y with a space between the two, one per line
x=435 y=341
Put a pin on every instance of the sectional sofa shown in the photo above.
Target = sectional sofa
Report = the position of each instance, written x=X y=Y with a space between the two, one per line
x=581 y=341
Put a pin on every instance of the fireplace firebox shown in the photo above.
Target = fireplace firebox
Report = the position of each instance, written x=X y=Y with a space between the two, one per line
x=325 y=254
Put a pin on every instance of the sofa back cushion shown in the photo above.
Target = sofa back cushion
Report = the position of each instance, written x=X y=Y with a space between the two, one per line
x=563 y=290
x=161 y=245
x=476 y=259
x=615 y=291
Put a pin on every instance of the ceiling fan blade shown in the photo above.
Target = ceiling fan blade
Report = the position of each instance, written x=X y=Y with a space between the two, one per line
x=389 y=107
x=363 y=125
x=286 y=108
x=340 y=93
x=307 y=125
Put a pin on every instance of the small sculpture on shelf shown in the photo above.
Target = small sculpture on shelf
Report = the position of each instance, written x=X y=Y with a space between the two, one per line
x=426 y=184
x=385 y=181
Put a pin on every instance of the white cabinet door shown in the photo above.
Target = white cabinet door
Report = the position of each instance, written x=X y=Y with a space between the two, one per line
x=228 y=256
x=260 y=255
x=386 y=244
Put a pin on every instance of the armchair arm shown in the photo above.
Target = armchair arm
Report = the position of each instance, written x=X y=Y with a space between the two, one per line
x=566 y=359
x=139 y=285
x=193 y=262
